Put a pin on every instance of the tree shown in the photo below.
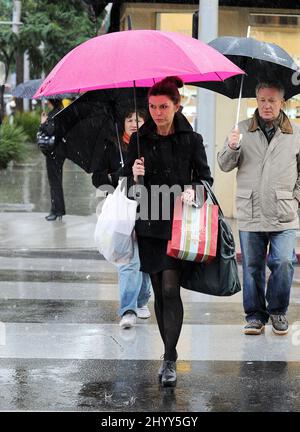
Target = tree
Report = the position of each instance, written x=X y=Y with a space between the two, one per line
x=51 y=29
x=8 y=46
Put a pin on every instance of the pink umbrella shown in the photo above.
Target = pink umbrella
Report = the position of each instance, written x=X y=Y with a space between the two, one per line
x=135 y=58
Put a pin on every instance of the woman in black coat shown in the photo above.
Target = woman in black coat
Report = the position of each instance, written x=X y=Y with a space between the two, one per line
x=172 y=156
x=54 y=163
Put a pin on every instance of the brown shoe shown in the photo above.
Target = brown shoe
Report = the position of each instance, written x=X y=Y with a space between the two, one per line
x=254 y=327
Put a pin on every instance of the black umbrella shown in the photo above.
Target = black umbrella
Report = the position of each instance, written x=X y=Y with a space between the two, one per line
x=261 y=61
x=27 y=89
x=88 y=121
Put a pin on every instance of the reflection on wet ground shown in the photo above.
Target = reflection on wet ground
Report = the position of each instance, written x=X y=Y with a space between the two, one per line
x=114 y=385
x=24 y=187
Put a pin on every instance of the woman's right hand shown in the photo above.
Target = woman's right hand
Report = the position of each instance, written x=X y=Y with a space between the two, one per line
x=138 y=169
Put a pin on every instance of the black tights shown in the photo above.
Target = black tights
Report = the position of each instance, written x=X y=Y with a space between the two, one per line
x=168 y=309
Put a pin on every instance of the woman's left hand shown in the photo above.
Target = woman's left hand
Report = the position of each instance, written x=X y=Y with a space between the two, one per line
x=44 y=117
x=188 y=196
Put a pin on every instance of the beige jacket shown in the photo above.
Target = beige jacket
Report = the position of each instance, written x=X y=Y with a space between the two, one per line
x=268 y=176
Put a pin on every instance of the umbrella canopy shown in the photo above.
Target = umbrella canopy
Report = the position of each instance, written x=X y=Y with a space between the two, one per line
x=27 y=89
x=261 y=61
x=88 y=121
x=136 y=57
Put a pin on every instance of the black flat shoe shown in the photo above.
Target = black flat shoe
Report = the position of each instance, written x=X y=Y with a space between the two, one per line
x=53 y=216
x=169 y=377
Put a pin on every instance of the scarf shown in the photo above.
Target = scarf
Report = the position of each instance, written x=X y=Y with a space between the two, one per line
x=267 y=130
x=125 y=138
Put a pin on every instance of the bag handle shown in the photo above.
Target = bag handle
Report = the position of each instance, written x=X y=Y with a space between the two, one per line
x=212 y=196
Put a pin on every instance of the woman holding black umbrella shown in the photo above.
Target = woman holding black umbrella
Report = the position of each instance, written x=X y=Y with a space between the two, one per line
x=172 y=154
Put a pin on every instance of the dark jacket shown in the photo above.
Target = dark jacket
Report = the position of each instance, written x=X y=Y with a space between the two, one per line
x=110 y=167
x=178 y=159
x=48 y=128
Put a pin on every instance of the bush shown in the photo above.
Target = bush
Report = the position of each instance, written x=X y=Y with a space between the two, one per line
x=12 y=144
x=30 y=122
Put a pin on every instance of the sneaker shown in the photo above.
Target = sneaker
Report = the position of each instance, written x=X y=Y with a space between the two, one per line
x=128 y=320
x=143 y=312
x=169 y=377
x=280 y=324
x=254 y=327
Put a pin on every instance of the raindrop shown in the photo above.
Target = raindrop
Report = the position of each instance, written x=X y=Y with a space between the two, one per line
x=56 y=317
x=207 y=313
x=88 y=276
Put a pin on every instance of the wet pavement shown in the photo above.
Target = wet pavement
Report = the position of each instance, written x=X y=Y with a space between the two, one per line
x=24 y=187
x=61 y=348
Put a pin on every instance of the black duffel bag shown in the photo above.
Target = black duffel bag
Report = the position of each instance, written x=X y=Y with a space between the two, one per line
x=218 y=277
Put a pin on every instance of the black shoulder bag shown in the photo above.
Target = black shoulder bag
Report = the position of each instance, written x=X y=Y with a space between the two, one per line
x=220 y=276
x=46 y=140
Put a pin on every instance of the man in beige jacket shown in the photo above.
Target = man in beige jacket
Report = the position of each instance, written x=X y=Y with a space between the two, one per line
x=265 y=150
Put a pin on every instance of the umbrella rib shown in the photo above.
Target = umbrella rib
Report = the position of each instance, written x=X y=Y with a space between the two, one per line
x=219 y=76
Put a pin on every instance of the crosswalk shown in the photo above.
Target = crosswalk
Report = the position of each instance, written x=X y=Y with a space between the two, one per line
x=61 y=347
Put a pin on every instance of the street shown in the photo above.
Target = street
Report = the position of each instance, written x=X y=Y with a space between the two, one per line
x=61 y=348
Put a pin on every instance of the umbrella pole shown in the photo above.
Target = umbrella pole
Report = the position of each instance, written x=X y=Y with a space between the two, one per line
x=241 y=89
x=137 y=120
x=140 y=178
x=119 y=144
x=239 y=103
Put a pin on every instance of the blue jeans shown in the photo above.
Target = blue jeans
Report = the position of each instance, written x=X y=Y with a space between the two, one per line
x=134 y=285
x=258 y=302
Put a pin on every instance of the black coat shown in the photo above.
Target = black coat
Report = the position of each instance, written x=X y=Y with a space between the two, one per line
x=48 y=126
x=178 y=159
x=109 y=169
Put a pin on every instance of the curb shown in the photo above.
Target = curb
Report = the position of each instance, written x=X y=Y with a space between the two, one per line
x=88 y=254
x=91 y=254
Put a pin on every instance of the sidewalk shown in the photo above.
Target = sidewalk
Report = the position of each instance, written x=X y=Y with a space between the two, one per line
x=29 y=233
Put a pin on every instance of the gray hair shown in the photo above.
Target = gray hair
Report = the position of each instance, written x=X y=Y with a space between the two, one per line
x=275 y=85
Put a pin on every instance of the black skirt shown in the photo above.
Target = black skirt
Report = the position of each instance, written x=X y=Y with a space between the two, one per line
x=153 y=256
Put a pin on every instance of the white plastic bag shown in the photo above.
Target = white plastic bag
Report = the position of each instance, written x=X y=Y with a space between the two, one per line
x=113 y=233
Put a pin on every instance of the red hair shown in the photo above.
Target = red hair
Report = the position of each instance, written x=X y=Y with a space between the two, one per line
x=167 y=87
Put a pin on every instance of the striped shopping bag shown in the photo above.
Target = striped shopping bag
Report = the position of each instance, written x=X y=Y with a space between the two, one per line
x=194 y=232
